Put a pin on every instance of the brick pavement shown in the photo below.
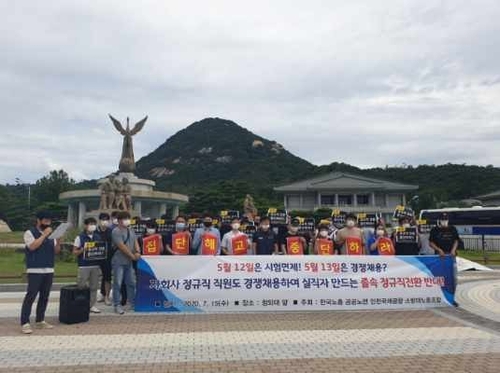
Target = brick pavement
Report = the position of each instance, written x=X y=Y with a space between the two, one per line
x=444 y=340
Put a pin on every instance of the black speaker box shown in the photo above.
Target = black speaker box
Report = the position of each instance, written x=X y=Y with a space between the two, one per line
x=74 y=305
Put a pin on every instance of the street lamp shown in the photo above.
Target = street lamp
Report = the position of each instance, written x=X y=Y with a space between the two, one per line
x=21 y=182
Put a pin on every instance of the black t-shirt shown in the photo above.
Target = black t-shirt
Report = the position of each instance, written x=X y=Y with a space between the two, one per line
x=406 y=241
x=444 y=238
x=264 y=242
x=406 y=248
x=106 y=236
x=166 y=239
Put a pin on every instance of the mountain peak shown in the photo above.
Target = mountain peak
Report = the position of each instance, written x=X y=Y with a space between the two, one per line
x=216 y=149
x=215 y=124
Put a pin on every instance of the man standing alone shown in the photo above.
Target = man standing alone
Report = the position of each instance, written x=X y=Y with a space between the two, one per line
x=40 y=256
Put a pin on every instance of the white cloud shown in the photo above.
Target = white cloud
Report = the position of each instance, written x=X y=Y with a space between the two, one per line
x=368 y=83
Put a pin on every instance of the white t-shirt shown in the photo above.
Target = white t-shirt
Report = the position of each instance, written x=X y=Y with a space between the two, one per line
x=28 y=240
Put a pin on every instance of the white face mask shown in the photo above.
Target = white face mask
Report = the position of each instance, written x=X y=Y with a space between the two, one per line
x=104 y=223
x=444 y=223
x=91 y=228
x=126 y=222
x=380 y=232
x=406 y=225
x=235 y=226
x=150 y=231
x=323 y=233
x=115 y=221
x=350 y=223
x=265 y=227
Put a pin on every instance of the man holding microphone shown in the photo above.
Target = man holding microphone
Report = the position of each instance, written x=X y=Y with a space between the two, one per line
x=40 y=256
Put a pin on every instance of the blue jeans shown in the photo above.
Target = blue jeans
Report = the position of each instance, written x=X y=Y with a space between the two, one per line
x=123 y=273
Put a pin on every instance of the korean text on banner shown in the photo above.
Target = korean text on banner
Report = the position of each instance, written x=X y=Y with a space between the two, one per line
x=270 y=283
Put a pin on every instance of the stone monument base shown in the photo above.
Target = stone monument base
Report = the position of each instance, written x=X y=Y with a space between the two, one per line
x=146 y=202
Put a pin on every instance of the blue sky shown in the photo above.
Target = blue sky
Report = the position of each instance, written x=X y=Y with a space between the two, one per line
x=370 y=83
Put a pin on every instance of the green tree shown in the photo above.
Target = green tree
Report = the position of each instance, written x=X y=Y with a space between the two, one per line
x=48 y=188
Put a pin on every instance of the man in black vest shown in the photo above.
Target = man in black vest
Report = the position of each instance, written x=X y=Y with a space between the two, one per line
x=40 y=254
x=265 y=241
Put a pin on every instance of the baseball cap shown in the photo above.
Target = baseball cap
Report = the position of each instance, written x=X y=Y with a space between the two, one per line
x=44 y=214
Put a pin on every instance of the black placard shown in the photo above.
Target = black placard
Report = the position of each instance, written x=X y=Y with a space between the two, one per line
x=406 y=235
x=338 y=218
x=277 y=217
x=227 y=215
x=403 y=212
x=95 y=250
x=367 y=220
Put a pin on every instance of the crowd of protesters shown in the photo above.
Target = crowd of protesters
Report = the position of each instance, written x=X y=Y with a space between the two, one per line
x=125 y=244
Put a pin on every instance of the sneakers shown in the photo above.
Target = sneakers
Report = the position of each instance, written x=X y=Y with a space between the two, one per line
x=100 y=298
x=26 y=328
x=119 y=310
x=94 y=309
x=107 y=302
x=43 y=325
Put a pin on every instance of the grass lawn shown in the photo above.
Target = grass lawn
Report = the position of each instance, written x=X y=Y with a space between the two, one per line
x=11 y=237
x=12 y=267
x=17 y=237
x=478 y=256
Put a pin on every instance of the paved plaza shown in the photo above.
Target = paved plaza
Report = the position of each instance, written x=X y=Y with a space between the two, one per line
x=466 y=339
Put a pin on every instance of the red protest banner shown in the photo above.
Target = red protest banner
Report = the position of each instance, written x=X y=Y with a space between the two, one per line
x=354 y=246
x=385 y=246
x=294 y=246
x=151 y=244
x=240 y=244
x=208 y=244
x=325 y=247
x=180 y=243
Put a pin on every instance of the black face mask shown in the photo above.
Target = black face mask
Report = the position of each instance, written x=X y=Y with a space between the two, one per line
x=207 y=224
x=44 y=226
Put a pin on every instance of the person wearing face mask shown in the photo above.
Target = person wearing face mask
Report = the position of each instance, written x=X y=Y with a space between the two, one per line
x=114 y=219
x=351 y=236
x=405 y=238
x=40 y=253
x=104 y=230
x=444 y=238
x=206 y=240
x=150 y=231
x=126 y=251
x=292 y=243
x=380 y=243
x=88 y=271
x=265 y=240
x=323 y=244
x=178 y=242
x=235 y=242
